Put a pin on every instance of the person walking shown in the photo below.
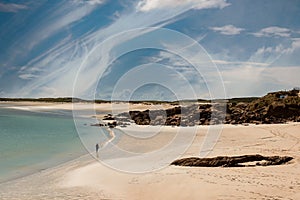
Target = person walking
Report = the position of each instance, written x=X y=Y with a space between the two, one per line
x=97 y=149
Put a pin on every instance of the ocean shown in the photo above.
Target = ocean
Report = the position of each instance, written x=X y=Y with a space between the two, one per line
x=34 y=141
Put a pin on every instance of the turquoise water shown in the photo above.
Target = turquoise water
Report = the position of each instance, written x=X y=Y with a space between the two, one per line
x=33 y=141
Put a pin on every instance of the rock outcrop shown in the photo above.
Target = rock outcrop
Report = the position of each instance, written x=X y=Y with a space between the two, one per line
x=234 y=161
x=108 y=117
x=277 y=107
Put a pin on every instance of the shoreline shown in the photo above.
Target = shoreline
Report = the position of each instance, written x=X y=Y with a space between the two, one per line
x=113 y=136
x=85 y=177
x=88 y=177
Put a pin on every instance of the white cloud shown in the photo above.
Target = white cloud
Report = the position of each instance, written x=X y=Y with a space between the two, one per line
x=96 y=2
x=240 y=80
x=58 y=19
x=91 y=2
x=273 y=31
x=62 y=62
x=193 y=64
x=29 y=73
x=234 y=63
x=280 y=49
x=287 y=77
x=269 y=54
x=228 y=30
x=295 y=45
x=148 y=5
x=64 y=17
x=11 y=7
x=27 y=76
x=271 y=50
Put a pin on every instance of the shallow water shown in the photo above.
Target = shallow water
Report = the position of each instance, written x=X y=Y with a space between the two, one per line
x=33 y=141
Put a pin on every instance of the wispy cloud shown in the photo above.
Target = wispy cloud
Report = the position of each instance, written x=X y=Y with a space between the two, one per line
x=269 y=54
x=228 y=30
x=11 y=7
x=29 y=73
x=62 y=63
x=63 y=17
x=239 y=81
x=53 y=70
x=234 y=63
x=148 y=5
x=238 y=77
x=295 y=45
x=273 y=31
x=95 y=2
x=52 y=22
x=27 y=76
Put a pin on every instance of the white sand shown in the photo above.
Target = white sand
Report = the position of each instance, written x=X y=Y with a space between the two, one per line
x=103 y=107
x=87 y=179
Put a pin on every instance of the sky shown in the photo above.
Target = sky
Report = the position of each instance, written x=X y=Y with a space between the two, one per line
x=148 y=49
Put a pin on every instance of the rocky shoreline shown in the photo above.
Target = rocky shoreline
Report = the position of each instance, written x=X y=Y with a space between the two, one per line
x=274 y=108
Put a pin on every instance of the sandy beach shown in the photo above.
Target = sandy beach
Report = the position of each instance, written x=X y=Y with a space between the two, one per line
x=150 y=100
x=86 y=178
x=103 y=107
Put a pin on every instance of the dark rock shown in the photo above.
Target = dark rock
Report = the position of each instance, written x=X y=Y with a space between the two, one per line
x=112 y=125
x=173 y=111
x=108 y=118
x=234 y=161
x=98 y=124
x=140 y=117
x=278 y=107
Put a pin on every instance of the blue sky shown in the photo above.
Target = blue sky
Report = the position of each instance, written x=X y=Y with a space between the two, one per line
x=74 y=48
